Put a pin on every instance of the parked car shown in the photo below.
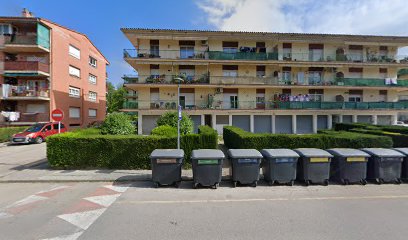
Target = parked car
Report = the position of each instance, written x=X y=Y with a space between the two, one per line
x=401 y=123
x=37 y=133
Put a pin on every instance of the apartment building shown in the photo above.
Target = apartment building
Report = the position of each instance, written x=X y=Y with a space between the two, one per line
x=44 y=66
x=265 y=82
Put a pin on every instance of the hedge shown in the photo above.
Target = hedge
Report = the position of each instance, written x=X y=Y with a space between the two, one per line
x=237 y=138
x=387 y=128
x=87 y=149
x=398 y=139
x=7 y=132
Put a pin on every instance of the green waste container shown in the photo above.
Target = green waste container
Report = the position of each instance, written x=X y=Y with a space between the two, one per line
x=245 y=165
x=207 y=167
x=166 y=166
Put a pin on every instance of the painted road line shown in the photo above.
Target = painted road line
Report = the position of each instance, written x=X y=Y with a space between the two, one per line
x=263 y=199
x=67 y=237
x=83 y=219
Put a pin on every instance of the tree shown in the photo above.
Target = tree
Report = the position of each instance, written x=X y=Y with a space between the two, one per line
x=170 y=119
x=115 y=98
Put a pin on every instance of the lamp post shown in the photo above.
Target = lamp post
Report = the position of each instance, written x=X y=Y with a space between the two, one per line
x=179 y=110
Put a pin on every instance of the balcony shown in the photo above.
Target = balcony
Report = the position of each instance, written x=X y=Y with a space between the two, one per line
x=168 y=79
x=130 y=79
x=26 y=43
x=270 y=105
x=23 y=92
x=26 y=68
x=262 y=56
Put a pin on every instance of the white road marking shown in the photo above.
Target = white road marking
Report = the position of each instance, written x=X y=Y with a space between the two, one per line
x=27 y=200
x=53 y=189
x=4 y=215
x=118 y=188
x=83 y=219
x=74 y=236
x=105 y=200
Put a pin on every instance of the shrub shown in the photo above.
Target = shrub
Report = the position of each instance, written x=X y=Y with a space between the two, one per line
x=387 y=128
x=165 y=130
x=170 y=119
x=88 y=149
x=117 y=124
x=398 y=139
x=7 y=132
x=238 y=138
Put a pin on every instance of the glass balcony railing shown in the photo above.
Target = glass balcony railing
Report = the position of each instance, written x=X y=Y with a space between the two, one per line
x=129 y=79
x=263 y=56
x=270 y=105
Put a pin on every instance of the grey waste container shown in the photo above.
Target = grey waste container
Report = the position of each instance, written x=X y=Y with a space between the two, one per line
x=313 y=165
x=166 y=166
x=348 y=165
x=384 y=165
x=279 y=166
x=245 y=165
x=207 y=167
x=404 y=172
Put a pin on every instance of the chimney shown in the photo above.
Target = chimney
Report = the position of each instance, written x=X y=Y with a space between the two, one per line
x=26 y=13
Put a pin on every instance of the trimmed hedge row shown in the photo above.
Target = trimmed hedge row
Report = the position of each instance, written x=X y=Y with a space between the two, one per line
x=237 y=138
x=398 y=139
x=387 y=128
x=7 y=132
x=90 y=149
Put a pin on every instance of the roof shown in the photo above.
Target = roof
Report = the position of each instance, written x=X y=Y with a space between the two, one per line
x=51 y=22
x=347 y=37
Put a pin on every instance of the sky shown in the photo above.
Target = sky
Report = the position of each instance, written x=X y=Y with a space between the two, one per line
x=102 y=20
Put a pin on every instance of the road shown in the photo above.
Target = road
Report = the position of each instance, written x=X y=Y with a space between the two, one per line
x=16 y=157
x=137 y=211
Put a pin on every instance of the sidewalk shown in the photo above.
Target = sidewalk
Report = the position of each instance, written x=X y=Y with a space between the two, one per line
x=42 y=173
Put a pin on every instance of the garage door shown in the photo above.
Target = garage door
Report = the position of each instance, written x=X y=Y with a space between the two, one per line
x=304 y=124
x=262 y=124
x=148 y=123
x=241 y=121
x=322 y=122
x=283 y=124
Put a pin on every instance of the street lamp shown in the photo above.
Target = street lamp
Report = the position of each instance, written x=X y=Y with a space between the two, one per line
x=178 y=79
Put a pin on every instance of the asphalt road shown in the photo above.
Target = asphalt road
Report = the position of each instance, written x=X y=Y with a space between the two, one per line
x=137 y=211
x=18 y=157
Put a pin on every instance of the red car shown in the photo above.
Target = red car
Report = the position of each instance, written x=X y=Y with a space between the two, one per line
x=37 y=133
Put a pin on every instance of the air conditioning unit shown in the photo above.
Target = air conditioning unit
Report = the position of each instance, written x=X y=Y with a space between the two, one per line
x=218 y=90
x=204 y=42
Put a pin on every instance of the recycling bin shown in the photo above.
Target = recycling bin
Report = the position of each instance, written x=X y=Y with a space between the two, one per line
x=384 y=165
x=279 y=166
x=348 y=165
x=313 y=166
x=245 y=165
x=207 y=167
x=166 y=166
x=404 y=172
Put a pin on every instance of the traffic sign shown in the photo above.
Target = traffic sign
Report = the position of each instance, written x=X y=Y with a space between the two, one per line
x=57 y=115
x=179 y=113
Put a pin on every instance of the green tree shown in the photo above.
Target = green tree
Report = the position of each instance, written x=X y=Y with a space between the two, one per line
x=170 y=119
x=115 y=97
x=118 y=124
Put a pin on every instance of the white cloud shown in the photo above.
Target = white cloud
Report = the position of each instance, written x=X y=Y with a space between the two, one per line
x=377 y=17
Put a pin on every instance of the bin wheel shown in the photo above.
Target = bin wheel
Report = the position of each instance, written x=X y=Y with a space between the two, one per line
x=326 y=182
x=346 y=182
x=291 y=183
x=215 y=186
x=270 y=183
x=398 y=181
x=379 y=181
x=156 y=184
x=254 y=184
x=177 y=184
x=308 y=182
x=235 y=184
x=363 y=182
x=195 y=185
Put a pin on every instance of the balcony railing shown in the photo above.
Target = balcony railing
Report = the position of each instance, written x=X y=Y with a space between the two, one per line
x=129 y=79
x=263 y=56
x=21 y=39
x=270 y=105
x=23 y=91
x=26 y=66
x=169 y=79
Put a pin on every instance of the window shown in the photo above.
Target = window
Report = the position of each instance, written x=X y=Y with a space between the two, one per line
x=74 y=112
x=92 y=96
x=355 y=96
x=316 y=52
x=230 y=70
x=92 y=79
x=287 y=51
x=154 y=48
x=56 y=126
x=36 y=108
x=260 y=71
x=316 y=95
x=356 y=53
x=74 y=92
x=92 y=113
x=5 y=29
x=73 y=71
x=75 y=52
x=355 y=73
x=186 y=52
x=92 y=62
x=230 y=47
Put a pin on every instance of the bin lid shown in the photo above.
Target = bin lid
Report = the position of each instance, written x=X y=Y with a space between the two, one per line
x=276 y=153
x=347 y=152
x=402 y=150
x=167 y=153
x=244 y=153
x=312 y=152
x=383 y=152
x=207 y=154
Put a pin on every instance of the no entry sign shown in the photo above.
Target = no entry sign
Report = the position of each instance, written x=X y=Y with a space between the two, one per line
x=57 y=115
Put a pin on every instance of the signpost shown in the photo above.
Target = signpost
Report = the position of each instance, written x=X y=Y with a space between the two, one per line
x=57 y=115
